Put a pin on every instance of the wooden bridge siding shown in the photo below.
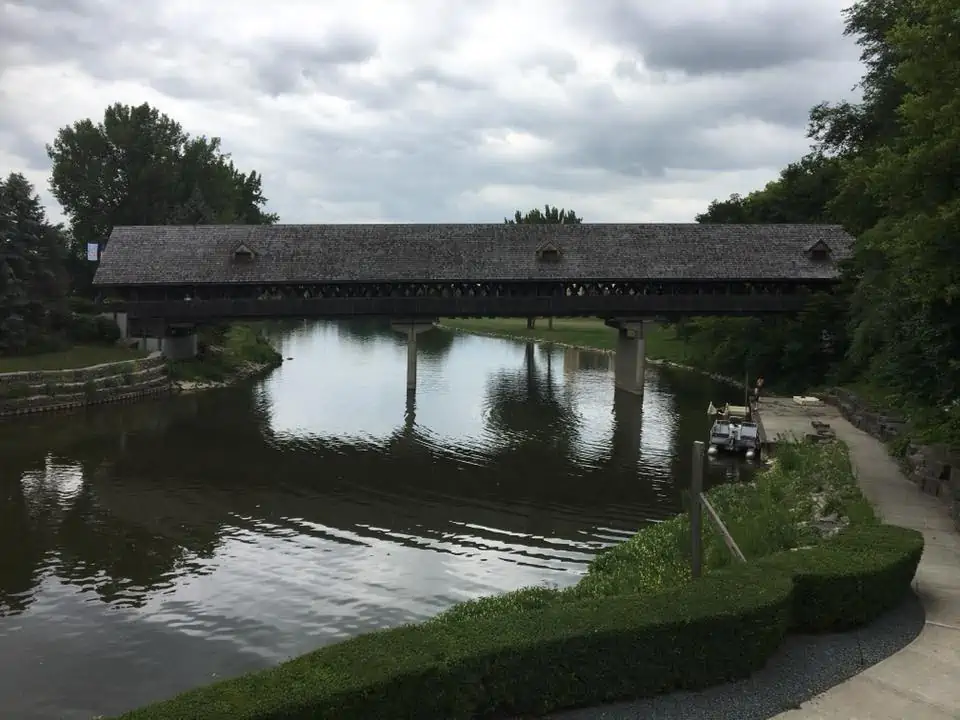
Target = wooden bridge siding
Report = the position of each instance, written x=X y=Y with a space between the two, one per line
x=433 y=307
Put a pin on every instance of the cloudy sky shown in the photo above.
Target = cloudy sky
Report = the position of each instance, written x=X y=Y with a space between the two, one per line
x=443 y=110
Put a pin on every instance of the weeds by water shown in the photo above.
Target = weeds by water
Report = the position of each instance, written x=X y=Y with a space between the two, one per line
x=809 y=492
x=224 y=352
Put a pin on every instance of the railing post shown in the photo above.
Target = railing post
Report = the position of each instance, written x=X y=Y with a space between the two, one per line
x=696 y=511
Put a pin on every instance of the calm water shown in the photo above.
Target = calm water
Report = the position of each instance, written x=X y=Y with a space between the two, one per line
x=149 y=548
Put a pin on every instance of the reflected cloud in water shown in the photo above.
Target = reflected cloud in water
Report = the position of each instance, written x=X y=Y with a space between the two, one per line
x=319 y=502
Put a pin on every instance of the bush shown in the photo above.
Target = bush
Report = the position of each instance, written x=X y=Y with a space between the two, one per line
x=851 y=579
x=582 y=651
x=223 y=352
x=86 y=329
x=538 y=650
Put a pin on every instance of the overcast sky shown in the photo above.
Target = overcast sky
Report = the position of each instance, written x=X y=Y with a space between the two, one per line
x=443 y=110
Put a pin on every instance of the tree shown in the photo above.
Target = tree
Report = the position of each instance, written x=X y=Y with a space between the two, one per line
x=138 y=167
x=550 y=215
x=32 y=275
x=791 y=352
x=905 y=324
x=802 y=194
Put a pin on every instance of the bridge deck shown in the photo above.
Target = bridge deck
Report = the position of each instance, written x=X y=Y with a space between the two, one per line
x=312 y=254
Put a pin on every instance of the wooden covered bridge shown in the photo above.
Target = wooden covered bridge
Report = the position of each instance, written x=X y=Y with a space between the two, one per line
x=165 y=276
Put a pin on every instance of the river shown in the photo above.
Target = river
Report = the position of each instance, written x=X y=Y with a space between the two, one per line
x=152 y=547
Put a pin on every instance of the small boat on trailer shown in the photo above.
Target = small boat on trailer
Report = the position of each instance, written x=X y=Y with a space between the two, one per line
x=733 y=431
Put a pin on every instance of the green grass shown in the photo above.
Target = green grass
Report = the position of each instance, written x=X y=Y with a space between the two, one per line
x=765 y=517
x=76 y=357
x=660 y=341
x=224 y=352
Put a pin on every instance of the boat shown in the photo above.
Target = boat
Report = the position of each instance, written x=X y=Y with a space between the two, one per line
x=733 y=431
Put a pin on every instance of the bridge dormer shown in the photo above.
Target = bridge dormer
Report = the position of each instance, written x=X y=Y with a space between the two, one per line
x=819 y=251
x=549 y=251
x=243 y=253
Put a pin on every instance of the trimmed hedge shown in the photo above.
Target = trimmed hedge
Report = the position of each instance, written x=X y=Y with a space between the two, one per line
x=555 y=649
x=851 y=579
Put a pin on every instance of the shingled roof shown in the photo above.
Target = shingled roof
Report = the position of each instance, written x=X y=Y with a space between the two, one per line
x=301 y=254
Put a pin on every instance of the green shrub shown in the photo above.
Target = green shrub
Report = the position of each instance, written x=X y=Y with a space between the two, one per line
x=82 y=305
x=92 y=329
x=582 y=651
x=15 y=391
x=108 y=332
x=851 y=579
x=90 y=390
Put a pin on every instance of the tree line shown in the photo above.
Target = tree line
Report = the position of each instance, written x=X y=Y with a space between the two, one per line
x=888 y=170
x=137 y=166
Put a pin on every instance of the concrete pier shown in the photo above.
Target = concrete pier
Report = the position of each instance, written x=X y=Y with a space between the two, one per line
x=411 y=328
x=629 y=361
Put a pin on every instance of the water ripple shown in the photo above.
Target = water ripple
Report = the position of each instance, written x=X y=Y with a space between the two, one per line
x=168 y=543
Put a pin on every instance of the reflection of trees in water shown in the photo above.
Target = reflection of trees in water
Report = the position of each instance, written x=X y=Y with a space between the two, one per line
x=164 y=482
x=688 y=390
x=79 y=513
x=575 y=360
x=24 y=541
x=432 y=345
x=527 y=405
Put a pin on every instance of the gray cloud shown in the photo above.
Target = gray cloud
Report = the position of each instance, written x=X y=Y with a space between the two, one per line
x=725 y=39
x=436 y=111
x=282 y=67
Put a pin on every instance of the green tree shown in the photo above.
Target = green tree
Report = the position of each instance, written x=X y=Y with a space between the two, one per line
x=906 y=327
x=138 y=167
x=32 y=273
x=550 y=215
x=789 y=352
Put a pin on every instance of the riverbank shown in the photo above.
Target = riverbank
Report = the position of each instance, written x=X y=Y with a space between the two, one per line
x=635 y=625
x=39 y=390
x=226 y=354
x=661 y=346
x=96 y=374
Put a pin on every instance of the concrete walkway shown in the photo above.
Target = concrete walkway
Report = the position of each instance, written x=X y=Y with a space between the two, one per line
x=922 y=680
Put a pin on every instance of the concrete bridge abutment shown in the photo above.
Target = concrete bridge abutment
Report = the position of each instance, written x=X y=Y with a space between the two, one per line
x=411 y=328
x=629 y=363
x=177 y=341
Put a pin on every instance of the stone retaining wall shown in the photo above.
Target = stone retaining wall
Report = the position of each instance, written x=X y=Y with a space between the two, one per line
x=934 y=469
x=38 y=391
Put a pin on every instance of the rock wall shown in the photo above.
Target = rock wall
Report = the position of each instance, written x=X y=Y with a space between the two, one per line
x=42 y=390
x=934 y=469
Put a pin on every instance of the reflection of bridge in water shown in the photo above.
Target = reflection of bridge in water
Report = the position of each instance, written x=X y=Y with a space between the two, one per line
x=575 y=360
x=160 y=485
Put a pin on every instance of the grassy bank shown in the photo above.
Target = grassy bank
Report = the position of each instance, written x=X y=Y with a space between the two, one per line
x=224 y=353
x=661 y=342
x=635 y=625
x=80 y=356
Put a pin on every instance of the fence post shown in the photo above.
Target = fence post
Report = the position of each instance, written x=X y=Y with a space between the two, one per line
x=696 y=510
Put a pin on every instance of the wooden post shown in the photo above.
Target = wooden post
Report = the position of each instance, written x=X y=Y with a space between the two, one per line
x=696 y=511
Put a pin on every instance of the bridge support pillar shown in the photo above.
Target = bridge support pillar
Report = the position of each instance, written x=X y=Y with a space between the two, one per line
x=629 y=363
x=411 y=328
